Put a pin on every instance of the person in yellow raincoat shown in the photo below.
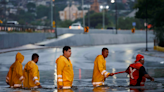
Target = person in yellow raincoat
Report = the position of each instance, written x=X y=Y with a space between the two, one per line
x=99 y=71
x=15 y=75
x=31 y=73
x=64 y=70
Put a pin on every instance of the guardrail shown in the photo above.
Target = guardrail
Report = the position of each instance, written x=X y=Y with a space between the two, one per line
x=25 y=28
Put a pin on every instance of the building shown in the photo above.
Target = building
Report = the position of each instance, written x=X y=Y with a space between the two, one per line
x=95 y=6
x=71 y=13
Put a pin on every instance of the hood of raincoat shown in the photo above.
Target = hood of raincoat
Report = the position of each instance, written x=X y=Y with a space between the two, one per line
x=30 y=65
x=61 y=56
x=19 y=57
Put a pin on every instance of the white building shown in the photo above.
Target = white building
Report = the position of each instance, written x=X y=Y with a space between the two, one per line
x=13 y=11
x=71 y=13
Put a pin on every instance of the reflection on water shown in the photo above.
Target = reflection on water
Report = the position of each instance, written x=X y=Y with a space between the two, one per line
x=101 y=89
x=117 y=83
x=55 y=77
x=117 y=61
x=136 y=90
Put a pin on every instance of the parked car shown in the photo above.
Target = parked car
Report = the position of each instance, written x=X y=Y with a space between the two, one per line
x=110 y=28
x=76 y=26
x=12 y=22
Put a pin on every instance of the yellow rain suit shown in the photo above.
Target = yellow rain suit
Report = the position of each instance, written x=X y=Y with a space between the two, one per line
x=15 y=75
x=31 y=74
x=99 y=72
x=64 y=72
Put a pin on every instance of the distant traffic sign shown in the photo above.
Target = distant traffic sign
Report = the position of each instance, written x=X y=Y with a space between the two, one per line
x=53 y=23
x=133 y=30
x=149 y=26
x=86 y=29
x=1 y=21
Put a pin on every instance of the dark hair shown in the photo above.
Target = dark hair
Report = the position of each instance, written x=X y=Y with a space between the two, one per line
x=65 y=48
x=35 y=55
x=104 y=49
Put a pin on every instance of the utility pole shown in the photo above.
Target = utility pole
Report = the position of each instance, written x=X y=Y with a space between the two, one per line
x=5 y=2
x=83 y=13
x=69 y=5
x=116 y=14
x=146 y=26
x=103 y=17
x=88 y=19
x=51 y=14
x=55 y=21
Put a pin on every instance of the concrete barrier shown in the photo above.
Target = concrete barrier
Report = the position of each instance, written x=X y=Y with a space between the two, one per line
x=94 y=37
x=158 y=48
x=18 y=39
x=100 y=39
x=61 y=31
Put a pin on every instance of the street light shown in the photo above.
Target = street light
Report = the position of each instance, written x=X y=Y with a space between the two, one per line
x=103 y=8
x=146 y=28
x=53 y=5
x=83 y=13
x=51 y=14
x=88 y=7
x=114 y=1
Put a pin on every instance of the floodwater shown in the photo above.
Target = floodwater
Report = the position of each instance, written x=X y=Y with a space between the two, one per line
x=120 y=56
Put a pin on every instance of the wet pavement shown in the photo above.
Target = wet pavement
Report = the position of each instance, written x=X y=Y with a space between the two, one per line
x=120 y=56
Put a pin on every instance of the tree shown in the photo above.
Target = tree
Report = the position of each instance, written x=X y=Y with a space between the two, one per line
x=126 y=23
x=155 y=14
x=96 y=19
x=65 y=23
x=43 y=11
x=31 y=7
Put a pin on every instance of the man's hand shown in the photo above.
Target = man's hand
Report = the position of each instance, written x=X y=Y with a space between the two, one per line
x=39 y=86
x=147 y=76
x=60 y=87
x=7 y=83
x=152 y=79
x=111 y=74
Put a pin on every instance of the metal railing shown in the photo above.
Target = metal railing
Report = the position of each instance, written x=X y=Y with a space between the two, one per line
x=25 y=28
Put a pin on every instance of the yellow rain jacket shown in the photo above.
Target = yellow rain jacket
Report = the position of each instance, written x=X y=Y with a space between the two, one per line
x=31 y=74
x=64 y=72
x=99 y=72
x=15 y=75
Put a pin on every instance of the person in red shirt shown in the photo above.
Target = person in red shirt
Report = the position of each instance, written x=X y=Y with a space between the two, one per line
x=137 y=72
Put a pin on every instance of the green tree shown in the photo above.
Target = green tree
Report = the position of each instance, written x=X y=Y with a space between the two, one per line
x=155 y=14
x=126 y=23
x=96 y=20
x=65 y=23
x=43 y=11
x=31 y=7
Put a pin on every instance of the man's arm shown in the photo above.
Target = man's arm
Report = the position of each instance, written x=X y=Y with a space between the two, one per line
x=149 y=77
x=146 y=75
x=127 y=70
x=60 y=66
x=102 y=70
x=19 y=72
x=7 y=77
x=35 y=74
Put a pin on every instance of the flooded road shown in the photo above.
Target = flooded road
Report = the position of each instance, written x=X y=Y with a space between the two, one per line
x=120 y=56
